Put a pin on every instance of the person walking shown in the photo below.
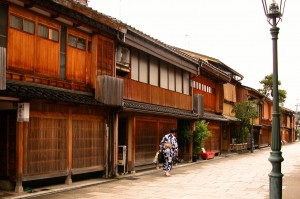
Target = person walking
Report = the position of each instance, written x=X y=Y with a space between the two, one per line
x=169 y=147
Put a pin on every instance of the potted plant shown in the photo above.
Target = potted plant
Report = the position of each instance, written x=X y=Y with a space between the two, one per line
x=199 y=135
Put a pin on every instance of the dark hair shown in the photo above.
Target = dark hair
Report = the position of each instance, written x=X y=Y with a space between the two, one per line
x=173 y=130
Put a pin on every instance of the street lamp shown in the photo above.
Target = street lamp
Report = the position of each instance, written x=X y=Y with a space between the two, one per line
x=274 y=12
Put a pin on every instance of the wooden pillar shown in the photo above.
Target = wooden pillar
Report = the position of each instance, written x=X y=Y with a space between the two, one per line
x=228 y=138
x=114 y=131
x=106 y=147
x=19 y=157
x=131 y=144
x=68 y=180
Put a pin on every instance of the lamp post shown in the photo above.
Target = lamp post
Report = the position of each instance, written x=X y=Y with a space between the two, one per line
x=274 y=12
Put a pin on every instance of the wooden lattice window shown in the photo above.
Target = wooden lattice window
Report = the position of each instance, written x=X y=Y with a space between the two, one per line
x=149 y=133
x=146 y=141
x=105 y=63
x=88 y=143
x=45 y=146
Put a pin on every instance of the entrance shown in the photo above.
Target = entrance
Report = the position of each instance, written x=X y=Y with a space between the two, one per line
x=8 y=123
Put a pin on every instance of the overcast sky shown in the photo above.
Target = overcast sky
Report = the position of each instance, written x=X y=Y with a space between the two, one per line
x=235 y=31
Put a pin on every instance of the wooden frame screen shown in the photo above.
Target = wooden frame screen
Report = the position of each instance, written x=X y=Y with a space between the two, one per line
x=45 y=146
x=146 y=141
x=105 y=56
x=149 y=132
x=88 y=143
x=78 y=56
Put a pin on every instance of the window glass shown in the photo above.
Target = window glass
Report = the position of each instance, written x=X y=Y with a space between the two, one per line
x=186 y=83
x=178 y=80
x=171 y=78
x=53 y=34
x=28 y=26
x=143 y=65
x=48 y=33
x=134 y=65
x=16 y=22
x=81 y=44
x=43 y=31
x=72 y=40
x=153 y=71
x=164 y=75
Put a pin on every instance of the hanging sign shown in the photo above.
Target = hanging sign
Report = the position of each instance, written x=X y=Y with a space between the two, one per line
x=23 y=112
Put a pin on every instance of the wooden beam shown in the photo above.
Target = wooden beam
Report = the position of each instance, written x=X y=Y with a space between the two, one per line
x=54 y=15
x=76 y=25
x=29 y=4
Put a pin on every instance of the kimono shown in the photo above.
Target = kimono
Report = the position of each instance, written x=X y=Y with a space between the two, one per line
x=169 y=146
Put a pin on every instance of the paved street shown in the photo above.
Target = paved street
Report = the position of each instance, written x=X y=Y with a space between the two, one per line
x=239 y=176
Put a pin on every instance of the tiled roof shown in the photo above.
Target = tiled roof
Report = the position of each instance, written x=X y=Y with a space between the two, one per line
x=155 y=109
x=231 y=118
x=212 y=116
x=36 y=91
x=150 y=108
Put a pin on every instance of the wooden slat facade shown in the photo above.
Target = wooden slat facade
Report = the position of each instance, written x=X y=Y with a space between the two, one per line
x=230 y=92
x=213 y=143
x=148 y=134
x=47 y=56
x=47 y=146
x=208 y=88
x=142 y=92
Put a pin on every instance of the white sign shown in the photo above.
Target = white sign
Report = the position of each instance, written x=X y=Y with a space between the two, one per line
x=23 y=112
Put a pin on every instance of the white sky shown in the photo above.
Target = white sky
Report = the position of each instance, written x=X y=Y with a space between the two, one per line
x=234 y=31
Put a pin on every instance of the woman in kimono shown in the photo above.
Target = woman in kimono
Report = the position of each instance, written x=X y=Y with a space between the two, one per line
x=169 y=146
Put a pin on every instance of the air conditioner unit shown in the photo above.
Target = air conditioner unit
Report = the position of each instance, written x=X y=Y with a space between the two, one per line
x=198 y=104
x=123 y=55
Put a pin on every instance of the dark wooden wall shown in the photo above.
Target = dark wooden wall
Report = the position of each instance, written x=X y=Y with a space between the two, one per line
x=213 y=143
x=148 y=134
x=62 y=138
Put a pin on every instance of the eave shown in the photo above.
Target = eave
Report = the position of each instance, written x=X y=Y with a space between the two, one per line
x=74 y=14
x=158 y=49
x=29 y=91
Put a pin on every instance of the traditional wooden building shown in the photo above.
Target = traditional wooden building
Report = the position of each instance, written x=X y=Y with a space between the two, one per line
x=76 y=85
x=262 y=126
x=54 y=55
x=81 y=92
x=175 y=89
x=260 y=139
x=220 y=104
x=287 y=125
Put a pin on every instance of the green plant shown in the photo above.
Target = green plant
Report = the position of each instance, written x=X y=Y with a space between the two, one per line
x=185 y=135
x=246 y=112
x=199 y=135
